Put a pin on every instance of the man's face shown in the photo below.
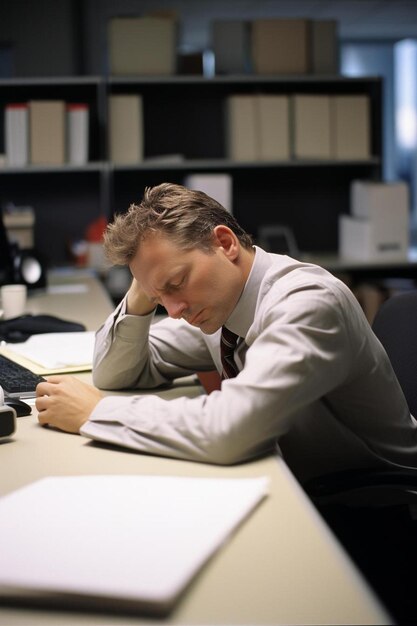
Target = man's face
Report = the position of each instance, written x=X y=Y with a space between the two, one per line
x=198 y=286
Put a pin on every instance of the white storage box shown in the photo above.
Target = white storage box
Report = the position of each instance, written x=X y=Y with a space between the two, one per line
x=374 y=240
x=378 y=227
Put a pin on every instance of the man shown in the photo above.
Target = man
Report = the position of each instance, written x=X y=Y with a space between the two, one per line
x=313 y=381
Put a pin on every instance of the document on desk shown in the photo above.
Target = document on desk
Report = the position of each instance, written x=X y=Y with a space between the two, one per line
x=125 y=542
x=50 y=353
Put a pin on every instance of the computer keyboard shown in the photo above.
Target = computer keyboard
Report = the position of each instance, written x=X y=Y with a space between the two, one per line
x=17 y=381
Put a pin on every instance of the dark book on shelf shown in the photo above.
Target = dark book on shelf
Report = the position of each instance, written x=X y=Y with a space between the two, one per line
x=324 y=47
x=231 y=46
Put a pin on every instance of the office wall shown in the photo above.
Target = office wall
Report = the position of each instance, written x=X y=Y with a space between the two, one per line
x=40 y=37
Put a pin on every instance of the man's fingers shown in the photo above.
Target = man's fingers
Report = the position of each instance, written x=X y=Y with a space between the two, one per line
x=56 y=378
x=47 y=387
x=43 y=418
x=42 y=402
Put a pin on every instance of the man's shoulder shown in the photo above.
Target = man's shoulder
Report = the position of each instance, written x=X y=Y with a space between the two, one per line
x=287 y=275
x=292 y=289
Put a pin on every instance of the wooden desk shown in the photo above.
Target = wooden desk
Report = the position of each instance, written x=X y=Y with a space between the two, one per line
x=283 y=566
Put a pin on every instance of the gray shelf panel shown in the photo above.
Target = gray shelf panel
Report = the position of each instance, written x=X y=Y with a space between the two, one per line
x=216 y=164
x=51 y=82
x=201 y=164
x=66 y=168
x=240 y=78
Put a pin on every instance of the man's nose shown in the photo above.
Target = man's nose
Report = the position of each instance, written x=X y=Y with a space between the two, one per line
x=175 y=307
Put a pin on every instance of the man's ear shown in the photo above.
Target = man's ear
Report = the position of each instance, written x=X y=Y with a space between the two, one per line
x=225 y=238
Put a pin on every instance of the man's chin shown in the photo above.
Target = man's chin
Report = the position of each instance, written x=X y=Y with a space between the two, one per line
x=209 y=328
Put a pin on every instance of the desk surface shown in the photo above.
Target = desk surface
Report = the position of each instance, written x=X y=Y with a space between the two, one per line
x=74 y=296
x=282 y=566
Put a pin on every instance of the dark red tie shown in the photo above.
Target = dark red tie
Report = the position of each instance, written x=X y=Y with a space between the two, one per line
x=228 y=343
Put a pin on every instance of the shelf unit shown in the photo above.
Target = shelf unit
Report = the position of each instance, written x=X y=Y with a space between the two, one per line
x=65 y=198
x=185 y=115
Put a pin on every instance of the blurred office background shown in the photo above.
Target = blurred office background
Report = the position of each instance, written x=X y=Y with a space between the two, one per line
x=69 y=38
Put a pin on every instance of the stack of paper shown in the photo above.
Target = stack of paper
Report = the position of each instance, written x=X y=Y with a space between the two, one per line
x=54 y=352
x=131 y=542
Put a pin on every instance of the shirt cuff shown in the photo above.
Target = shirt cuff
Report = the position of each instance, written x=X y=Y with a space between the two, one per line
x=127 y=326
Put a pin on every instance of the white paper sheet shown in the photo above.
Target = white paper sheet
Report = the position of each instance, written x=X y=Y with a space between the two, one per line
x=57 y=350
x=137 y=539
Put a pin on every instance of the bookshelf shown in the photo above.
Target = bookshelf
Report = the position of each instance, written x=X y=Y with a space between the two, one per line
x=185 y=132
x=66 y=198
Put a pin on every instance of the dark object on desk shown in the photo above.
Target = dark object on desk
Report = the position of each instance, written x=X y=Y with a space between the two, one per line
x=17 y=381
x=373 y=511
x=21 y=328
x=22 y=409
x=7 y=422
x=29 y=268
x=20 y=266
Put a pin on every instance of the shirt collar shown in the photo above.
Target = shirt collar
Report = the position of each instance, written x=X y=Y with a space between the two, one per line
x=243 y=314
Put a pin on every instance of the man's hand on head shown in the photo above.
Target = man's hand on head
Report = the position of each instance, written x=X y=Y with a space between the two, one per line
x=65 y=402
x=137 y=302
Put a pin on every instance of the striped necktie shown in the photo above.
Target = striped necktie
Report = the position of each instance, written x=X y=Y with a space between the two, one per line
x=228 y=343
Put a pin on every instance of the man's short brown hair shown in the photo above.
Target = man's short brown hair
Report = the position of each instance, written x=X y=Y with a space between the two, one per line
x=188 y=217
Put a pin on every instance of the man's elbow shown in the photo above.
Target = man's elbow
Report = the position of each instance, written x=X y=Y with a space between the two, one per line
x=227 y=450
x=102 y=380
x=231 y=446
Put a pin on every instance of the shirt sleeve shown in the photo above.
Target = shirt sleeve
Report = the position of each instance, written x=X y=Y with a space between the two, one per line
x=133 y=353
x=298 y=351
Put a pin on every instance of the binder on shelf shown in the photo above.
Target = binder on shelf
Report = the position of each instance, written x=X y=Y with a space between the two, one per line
x=125 y=128
x=351 y=127
x=273 y=127
x=77 y=133
x=47 y=132
x=281 y=46
x=142 y=45
x=324 y=47
x=17 y=134
x=230 y=40
x=242 y=137
x=312 y=128
x=217 y=186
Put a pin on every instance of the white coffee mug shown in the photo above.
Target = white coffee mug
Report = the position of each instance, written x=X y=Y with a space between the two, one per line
x=13 y=300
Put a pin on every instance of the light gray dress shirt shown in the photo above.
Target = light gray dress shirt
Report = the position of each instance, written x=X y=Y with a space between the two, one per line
x=315 y=383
